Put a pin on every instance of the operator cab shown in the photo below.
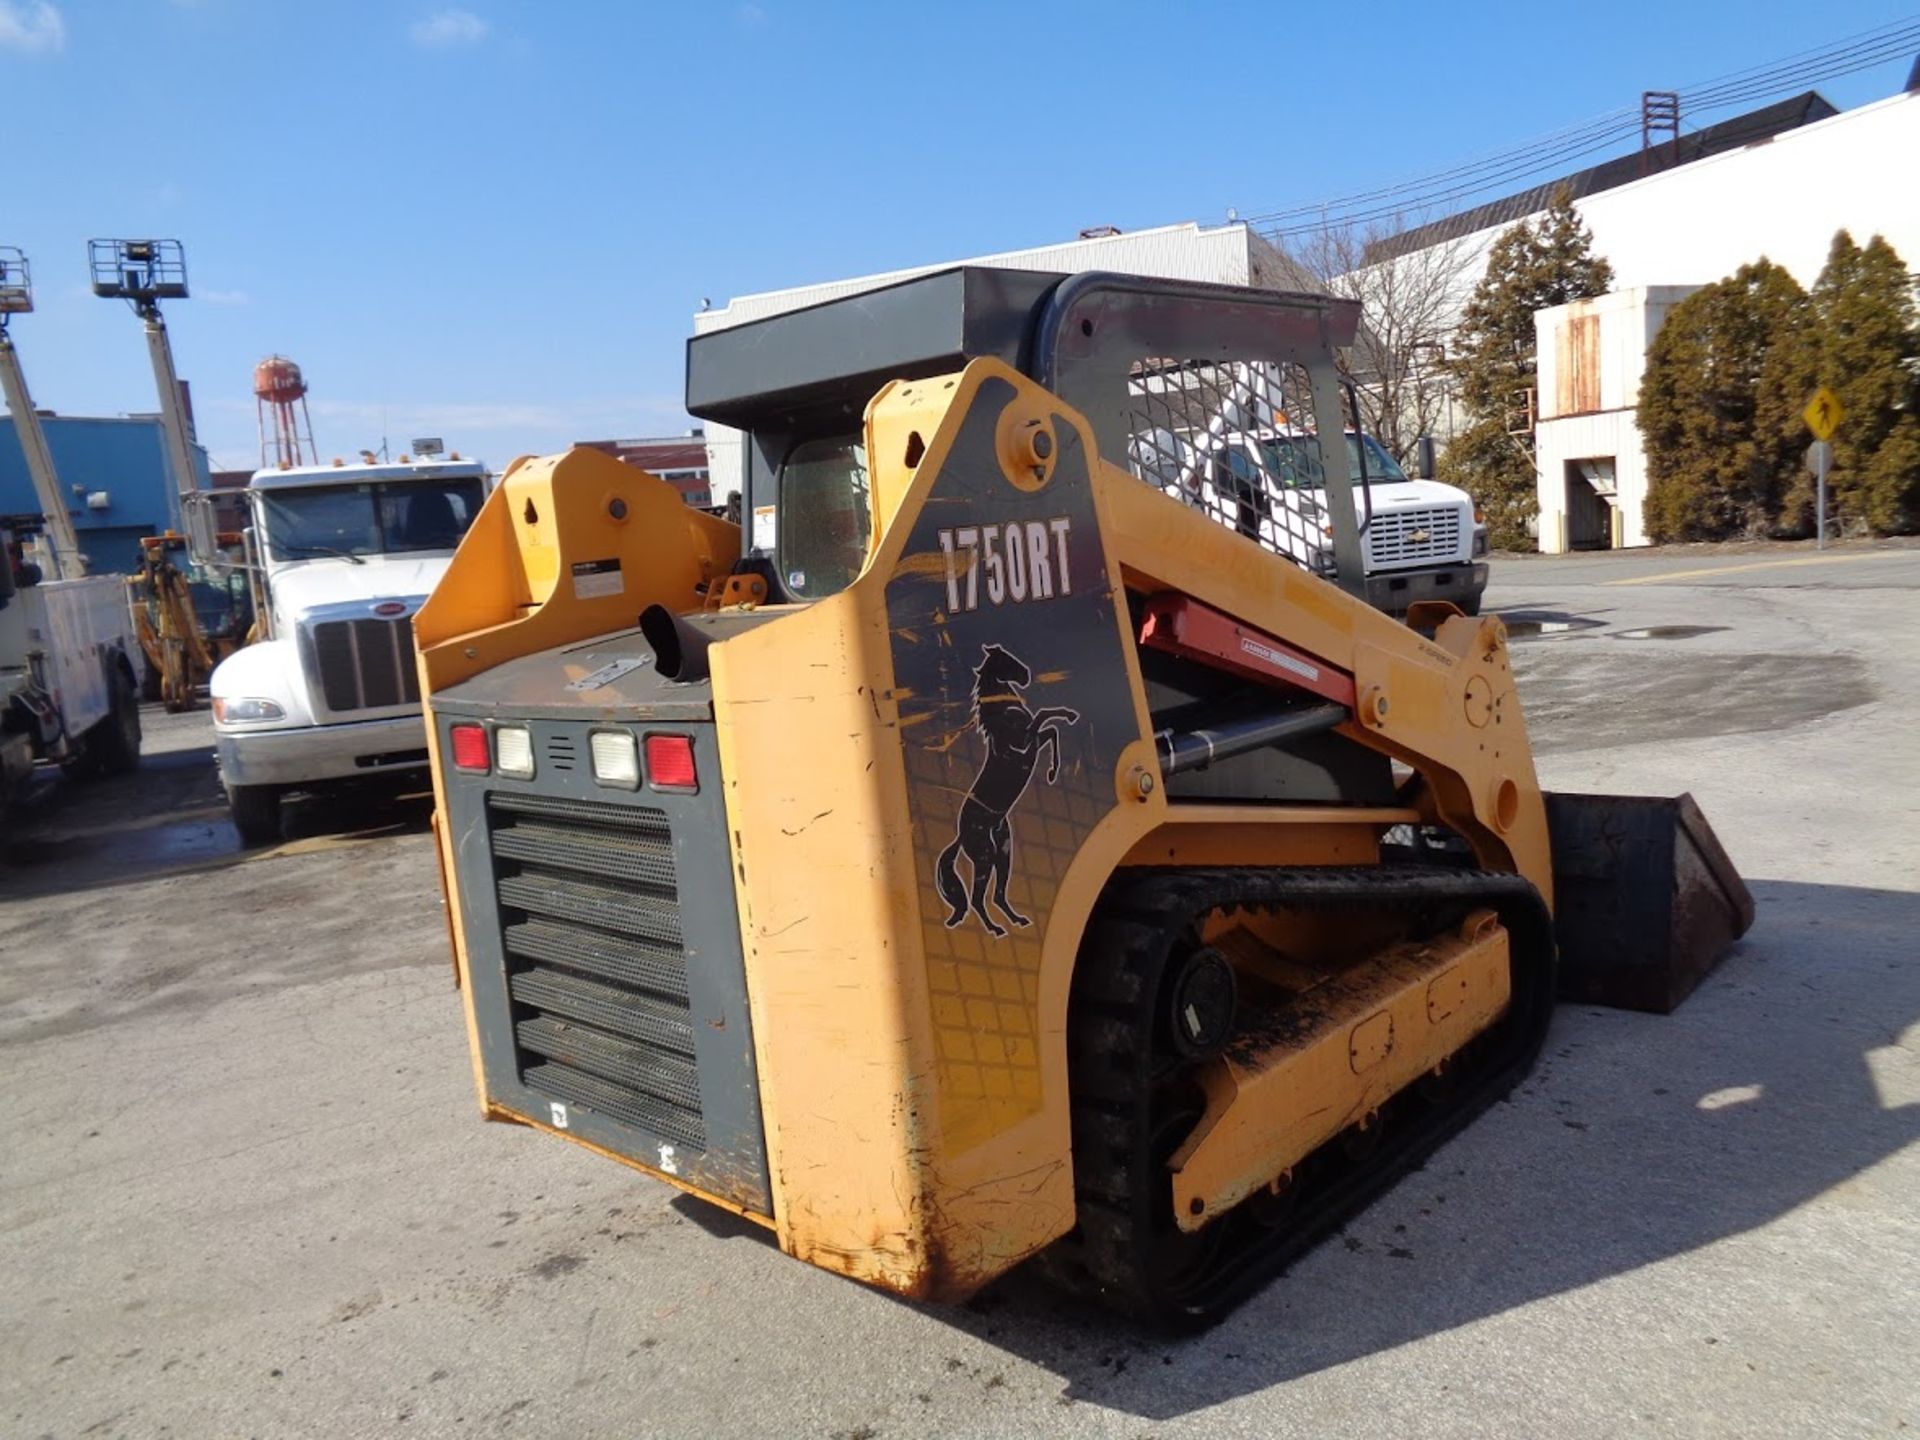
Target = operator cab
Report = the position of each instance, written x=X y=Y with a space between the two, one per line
x=1207 y=393
x=797 y=386
x=1173 y=375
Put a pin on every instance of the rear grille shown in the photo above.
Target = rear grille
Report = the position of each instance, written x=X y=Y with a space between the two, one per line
x=561 y=754
x=1400 y=537
x=590 y=918
x=365 y=664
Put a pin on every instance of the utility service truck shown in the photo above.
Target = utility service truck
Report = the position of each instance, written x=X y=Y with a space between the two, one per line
x=341 y=557
x=67 y=645
x=67 y=689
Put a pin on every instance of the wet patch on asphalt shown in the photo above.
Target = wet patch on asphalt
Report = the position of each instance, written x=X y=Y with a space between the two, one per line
x=1592 y=697
x=1668 y=632
x=1539 y=624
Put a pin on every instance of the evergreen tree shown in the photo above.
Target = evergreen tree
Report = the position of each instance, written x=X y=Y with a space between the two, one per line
x=1787 y=382
x=1496 y=469
x=1533 y=265
x=1863 y=342
x=1717 y=467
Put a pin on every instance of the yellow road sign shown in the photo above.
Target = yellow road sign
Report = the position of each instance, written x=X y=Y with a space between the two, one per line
x=1824 y=413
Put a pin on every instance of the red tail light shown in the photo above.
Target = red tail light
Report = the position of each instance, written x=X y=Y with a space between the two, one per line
x=670 y=763
x=470 y=749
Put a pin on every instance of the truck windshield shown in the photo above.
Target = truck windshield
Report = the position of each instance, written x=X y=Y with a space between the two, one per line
x=825 y=520
x=1294 y=460
x=370 y=518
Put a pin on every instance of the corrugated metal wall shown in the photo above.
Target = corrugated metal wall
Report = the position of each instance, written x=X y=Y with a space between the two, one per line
x=123 y=456
x=1185 y=252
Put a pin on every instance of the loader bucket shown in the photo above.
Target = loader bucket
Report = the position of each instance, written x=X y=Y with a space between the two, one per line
x=1645 y=900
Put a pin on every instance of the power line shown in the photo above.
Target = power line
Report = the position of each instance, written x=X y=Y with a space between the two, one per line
x=1462 y=182
x=1459 y=182
x=1520 y=170
x=1600 y=126
x=1892 y=41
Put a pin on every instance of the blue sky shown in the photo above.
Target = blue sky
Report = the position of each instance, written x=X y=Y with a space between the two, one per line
x=493 y=221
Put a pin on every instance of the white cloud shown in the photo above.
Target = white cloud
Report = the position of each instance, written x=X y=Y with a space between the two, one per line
x=447 y=28
x=33 y=27
x=223 y=297
x=750 y=16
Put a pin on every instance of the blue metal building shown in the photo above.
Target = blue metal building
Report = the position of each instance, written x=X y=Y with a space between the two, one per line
x=113 y=470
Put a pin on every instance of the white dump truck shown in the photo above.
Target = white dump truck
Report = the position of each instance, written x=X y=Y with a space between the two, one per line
x=341 y=558
x=67 y=690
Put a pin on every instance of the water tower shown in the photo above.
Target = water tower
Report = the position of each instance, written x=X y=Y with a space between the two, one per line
x=279 y=387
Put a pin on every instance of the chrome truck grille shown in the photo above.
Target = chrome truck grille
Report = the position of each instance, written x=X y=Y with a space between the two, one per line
x=1406 y=537
x=364 y=664
x=596 y=966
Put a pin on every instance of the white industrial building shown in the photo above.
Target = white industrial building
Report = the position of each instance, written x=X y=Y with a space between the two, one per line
x=1781 y=195
x=1229 y=254
x=1805 y=171
x=1591 y=470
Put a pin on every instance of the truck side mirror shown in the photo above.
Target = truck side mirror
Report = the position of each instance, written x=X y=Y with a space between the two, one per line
x=1423 y=466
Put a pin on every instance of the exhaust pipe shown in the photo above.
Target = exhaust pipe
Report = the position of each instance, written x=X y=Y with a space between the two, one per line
x=679 y=649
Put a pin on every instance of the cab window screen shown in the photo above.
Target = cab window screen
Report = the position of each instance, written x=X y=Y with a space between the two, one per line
x=825 y=519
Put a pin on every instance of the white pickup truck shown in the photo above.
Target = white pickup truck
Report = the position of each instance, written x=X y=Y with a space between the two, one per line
x=1420 y=539
x=342 y=557
x=67 y=689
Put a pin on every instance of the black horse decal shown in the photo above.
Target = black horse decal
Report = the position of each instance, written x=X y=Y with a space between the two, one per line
x=1015 y=737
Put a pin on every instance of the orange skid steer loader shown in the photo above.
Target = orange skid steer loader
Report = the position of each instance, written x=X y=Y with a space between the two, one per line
x=1022 y=840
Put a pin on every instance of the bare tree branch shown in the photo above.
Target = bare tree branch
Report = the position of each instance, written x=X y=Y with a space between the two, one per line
x=1409 y=306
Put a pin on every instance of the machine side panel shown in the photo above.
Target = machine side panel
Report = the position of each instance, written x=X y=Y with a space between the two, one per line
x=837 y=723
x=1014 y=710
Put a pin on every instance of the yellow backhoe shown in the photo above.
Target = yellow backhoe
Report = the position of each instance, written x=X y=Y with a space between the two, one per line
x=180 y=650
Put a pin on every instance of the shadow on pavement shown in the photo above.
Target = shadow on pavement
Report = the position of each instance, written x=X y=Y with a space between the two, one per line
x=1669 y=1133
x=721 y=1224
x=170 y=816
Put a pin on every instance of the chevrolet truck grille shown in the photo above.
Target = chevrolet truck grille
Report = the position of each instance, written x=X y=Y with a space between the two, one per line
x=1405 y=537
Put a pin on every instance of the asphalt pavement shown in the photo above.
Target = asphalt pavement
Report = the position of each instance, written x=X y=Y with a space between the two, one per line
x=244 y=1188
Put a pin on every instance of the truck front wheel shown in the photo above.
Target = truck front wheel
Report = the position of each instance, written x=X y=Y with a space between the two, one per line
x=256 y=813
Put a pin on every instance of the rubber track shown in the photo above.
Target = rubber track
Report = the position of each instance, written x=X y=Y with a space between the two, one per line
x=1114 y=1071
